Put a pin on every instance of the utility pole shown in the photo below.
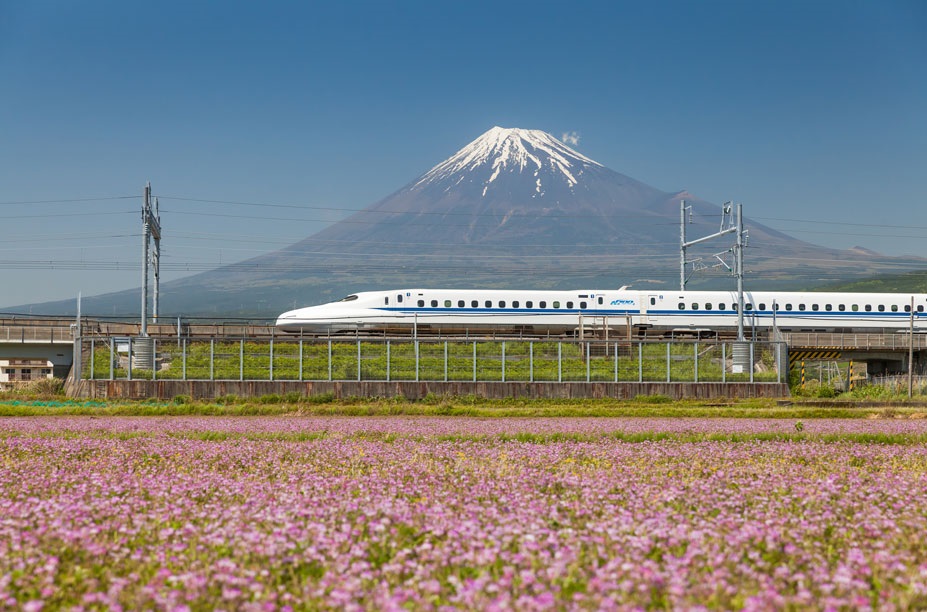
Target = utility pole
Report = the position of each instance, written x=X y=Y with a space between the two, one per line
x=739 y=267
x=156 y=260
x=146 y=236
x=151 y=228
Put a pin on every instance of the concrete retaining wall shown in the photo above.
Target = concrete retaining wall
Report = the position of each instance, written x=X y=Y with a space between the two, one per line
x=166 y=389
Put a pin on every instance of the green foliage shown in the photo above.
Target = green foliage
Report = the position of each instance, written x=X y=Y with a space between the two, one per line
x=653 y=399
x=182 y=399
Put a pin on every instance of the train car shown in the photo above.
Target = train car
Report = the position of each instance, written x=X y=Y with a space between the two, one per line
x=565 y=312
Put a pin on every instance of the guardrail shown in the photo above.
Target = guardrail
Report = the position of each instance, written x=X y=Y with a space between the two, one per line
x=848 y=341
x=449 y=360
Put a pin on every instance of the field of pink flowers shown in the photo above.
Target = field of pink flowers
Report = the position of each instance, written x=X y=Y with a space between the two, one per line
x=432 y=513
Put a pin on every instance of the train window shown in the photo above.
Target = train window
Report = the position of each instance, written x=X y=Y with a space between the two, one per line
x=514 y=303
x=399 y=298
x=501 y=303
x=434 y=303
x=386 y=300
x=600 y=299
x=894 y=307
x=920 y=309
x=694 y=306
x=801 y=306
x=748 y=306
x=421 y=303
x=447 y=303
x=542 y=304
x=475 y=304
x=350 y=298
x=907 y=308
x=828 y=307
x=583 y=305
x=488 y=303
x=788 y=307
x=556 y=304
x=460 y=303
x=721 y=306
x=682 y=306
x=708 y=306
x=814 y=307
x=762 y=306
x=653 y=301
x=881 y=307
x=868 y=307
x=842 y=307
x=569 y=304
x=529 y=304
x=855 y=307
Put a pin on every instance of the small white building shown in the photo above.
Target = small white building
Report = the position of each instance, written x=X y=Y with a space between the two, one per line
x=15 y=371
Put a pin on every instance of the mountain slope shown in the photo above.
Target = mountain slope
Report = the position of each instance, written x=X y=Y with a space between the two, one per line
x=512 y=208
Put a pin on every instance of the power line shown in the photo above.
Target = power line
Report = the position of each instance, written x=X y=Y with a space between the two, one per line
x=66 y=201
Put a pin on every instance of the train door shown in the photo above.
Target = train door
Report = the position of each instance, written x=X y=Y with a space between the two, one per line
x=648 y=305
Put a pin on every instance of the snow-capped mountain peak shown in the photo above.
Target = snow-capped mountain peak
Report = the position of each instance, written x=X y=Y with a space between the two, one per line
x=514 y=151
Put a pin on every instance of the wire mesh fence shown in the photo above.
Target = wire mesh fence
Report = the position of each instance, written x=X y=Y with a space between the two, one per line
x=431 y=360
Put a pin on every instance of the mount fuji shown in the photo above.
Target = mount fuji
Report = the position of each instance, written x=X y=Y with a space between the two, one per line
x=514 y=208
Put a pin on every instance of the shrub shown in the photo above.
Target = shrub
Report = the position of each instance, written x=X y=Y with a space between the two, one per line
x=44 y=386
x=182 y=399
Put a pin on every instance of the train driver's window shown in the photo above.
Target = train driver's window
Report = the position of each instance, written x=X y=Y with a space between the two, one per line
x=460 y=303
x=682 y=306
x=529 y=304
x=501 y=303
x=708 y=306
x=421 y=303
x=447 y=303
x=514 y=303
x=556 y=304
x=543 y=304
x=488 y=303
x=842 y=307
x=475 y=304
x=868 y=307
x=399 y=298
x=434 y=303
x=569 y=304
x=855 y=307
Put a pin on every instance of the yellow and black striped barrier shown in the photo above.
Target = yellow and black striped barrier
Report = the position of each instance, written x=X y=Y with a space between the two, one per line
x=822 y=354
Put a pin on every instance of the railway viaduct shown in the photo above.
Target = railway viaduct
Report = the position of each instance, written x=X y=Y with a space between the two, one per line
x=51 y=340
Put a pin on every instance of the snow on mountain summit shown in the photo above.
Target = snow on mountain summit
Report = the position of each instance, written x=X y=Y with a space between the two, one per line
x=514 y=151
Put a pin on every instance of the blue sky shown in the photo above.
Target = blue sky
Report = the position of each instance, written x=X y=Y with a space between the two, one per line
x=811 y=113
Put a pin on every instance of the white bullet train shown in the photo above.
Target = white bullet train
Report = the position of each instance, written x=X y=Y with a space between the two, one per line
x=565 y=312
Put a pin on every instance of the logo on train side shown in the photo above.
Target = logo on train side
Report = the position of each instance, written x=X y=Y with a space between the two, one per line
x=622 y=303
